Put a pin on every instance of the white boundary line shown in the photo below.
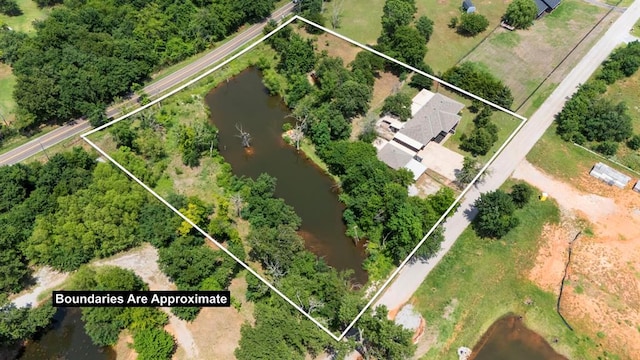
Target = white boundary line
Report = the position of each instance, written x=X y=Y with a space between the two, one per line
x=253 y=272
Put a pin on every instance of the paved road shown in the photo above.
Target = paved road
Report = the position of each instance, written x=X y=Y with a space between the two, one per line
x=170 y=81
x=410 y=278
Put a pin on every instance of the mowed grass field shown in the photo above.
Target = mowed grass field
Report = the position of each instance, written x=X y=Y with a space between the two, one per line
x=446 y=46
x=480 y=280
x=24 y=23
x=7 y=82
x=360 y=19
x=523 y=58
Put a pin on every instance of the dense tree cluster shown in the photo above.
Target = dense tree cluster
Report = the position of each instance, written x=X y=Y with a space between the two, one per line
x=401 y=40
x=378 y=206
x=592 y=118
x=483 y=135
x=28 y=192
x=98 y=221
x=88 y=52
x=20 y=324
x=521 y=13
x=104 y=324
x=623 y=62
x=472 y=78
x=589 y=117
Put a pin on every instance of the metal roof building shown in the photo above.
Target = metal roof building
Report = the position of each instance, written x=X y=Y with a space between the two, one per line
x=609 y=175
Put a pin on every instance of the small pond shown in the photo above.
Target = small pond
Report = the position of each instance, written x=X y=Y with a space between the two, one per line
x=244 y=101
x=66 y=339
x=509 y=339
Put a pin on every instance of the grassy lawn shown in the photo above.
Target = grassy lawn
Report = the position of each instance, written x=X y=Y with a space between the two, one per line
x=24 y=22
x=505 y=122
x=7 y=82
x=446 y=47
x=636 y=29
x=480 y=280
x=360 y=20
x=515 y=57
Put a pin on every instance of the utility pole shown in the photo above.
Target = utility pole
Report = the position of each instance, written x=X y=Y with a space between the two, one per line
x=44 y=150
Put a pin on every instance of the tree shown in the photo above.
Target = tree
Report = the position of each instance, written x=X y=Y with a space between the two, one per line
x=622 y=62
x=471 y=77
x=634 y=142
x=607 y=148
x=352 y=98
x=398 y=105
x=472 y=24
x=480 y=141
x=424 y=25
x=405 y=44
x=422 y=82
x=521 y=193
x=10 y=8
x=396 y=13
x=495 y=214
x=521 y=13
x=380 y=338
x=470 y=168
x=19 y=324
x=255 y=10
x=153 y=343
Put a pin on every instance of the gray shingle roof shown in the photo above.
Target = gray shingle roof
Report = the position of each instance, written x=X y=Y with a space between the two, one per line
x=394 y=157
x=438 y=115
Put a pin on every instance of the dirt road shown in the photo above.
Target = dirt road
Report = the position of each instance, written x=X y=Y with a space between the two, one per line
x=410 y=278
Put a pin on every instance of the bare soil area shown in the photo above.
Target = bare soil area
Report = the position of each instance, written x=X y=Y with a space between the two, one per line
x=602 y=294
x=337 y=47
x=216 y=331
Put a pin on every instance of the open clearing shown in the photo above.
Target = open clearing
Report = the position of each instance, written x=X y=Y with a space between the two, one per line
x=30 y=13
x=603 y=293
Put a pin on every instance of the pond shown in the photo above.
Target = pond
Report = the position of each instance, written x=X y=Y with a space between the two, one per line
x=244 y=101
x=509 y=339
x=66 y=339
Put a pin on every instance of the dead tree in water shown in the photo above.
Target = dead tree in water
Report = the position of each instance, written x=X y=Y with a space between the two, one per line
x=298 y=132
x=244 y=136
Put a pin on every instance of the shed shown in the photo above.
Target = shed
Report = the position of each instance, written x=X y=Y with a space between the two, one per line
x=609 y=175
x=637 y=186
x=468 y=6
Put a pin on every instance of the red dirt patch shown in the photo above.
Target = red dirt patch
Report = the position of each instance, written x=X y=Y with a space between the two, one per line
x=602 y=294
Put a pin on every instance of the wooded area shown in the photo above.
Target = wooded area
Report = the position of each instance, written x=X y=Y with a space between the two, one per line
x=88 y=53
x=588 y=118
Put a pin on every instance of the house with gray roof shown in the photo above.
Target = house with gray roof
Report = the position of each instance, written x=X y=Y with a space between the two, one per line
x=433 y=116
x=546 y=6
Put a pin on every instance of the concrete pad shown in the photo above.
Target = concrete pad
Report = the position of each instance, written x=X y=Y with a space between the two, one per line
x=441 y=160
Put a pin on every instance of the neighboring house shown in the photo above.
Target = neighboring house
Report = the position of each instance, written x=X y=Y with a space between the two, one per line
x=546 y=6
x=468 y=6
x=433 y=117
